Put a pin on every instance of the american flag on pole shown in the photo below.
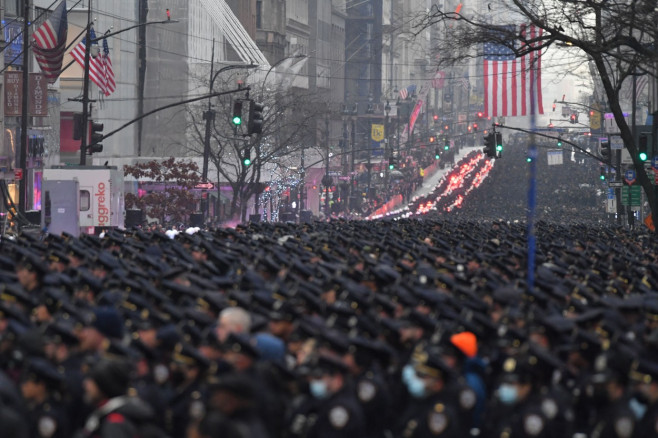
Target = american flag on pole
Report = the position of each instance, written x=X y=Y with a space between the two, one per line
x=50 y=43
x=626 y=92
x=511 y=84
x=465 y=83
x=439 y=79
x=406 y=92
x=109 y=72
x=96 y=65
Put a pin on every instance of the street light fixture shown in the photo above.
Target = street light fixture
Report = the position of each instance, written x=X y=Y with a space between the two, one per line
x=85 y=93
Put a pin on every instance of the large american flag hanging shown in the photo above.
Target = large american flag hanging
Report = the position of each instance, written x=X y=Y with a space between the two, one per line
x=50 y=43
x=512 y=85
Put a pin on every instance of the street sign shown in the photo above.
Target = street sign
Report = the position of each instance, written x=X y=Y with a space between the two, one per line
x=631 y=196
x=629 y=176
x=555 y=157
x=205 y=186
x=615 y=184
x=616 y=143
x=18 y=174
x=377 y=132
x=611 y=206
x=654 y=162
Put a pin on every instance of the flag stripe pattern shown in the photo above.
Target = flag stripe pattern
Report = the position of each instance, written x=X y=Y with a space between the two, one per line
x=406 y=92
x=96 y=65
x=109 y=71
x=50 y=43
x=512 y=85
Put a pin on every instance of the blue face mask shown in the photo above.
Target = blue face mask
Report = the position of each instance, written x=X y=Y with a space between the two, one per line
x=415 y=386
x=638 y=408
x=408 y=373
x=319 y=389
x=508 y=394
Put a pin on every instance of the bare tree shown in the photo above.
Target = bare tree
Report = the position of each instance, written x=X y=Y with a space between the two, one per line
x=617 y=37
x=289 y=121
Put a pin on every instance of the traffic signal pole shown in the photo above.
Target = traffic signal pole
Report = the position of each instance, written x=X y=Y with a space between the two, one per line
x=85 y=91
x=22 y=187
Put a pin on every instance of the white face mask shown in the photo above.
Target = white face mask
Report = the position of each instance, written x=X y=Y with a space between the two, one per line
x=508 y=394
x=319 y=389
x=160 y=374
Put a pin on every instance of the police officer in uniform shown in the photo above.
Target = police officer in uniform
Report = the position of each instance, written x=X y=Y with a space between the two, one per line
x=61 y=349
x=116 y=415
x=40 y=386
x=645 y=376
x=187 y=371
x=234 y=396
x=338 y=412
x=370 y=388
x=609 y=389
x=430 y=413
x=520 y=409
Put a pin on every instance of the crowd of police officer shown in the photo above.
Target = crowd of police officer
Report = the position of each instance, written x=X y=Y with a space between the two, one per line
x=353 y=329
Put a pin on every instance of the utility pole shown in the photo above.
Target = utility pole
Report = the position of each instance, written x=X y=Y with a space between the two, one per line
x=209 y=117
x=141 y=74
x=22 y=161
x=326 y=170
x=85 y=91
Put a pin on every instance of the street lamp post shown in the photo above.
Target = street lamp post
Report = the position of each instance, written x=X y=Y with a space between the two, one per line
x=398 y=126
x=22 y=163
x=387 y=110
x=353 y=114
x=85 y=93
x=262 y=88
x=329 y=180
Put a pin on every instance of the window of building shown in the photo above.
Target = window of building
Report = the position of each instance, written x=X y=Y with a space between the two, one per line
x=259 y=13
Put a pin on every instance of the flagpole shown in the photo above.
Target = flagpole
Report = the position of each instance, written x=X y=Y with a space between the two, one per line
x=85 y=92
x=22 y=160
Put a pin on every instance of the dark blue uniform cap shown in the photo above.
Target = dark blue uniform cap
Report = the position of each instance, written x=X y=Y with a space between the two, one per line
x=242 y=344
x=41 y=370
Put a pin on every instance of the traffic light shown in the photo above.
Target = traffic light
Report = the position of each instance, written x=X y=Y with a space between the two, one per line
x=237 y=113
x=499 y=143
x=255 y=125
x=246 y=160
x=602 y=176
x=392 y=162
x=480 y=114
x=437 y=154
x=573 y=118
x=489 y=145
x=604 y=150
x=643 y=144
x=435 y=117
x=432 y=139
x=95 y=138
x=446 y=144
x=475 y=126
x=559 y=142
x=528 y=159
